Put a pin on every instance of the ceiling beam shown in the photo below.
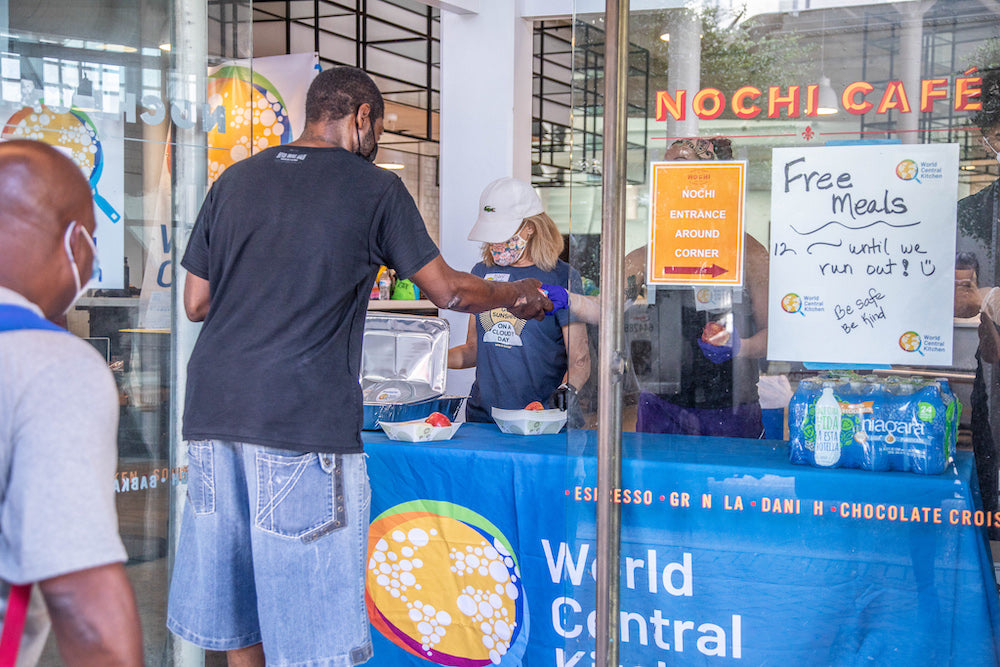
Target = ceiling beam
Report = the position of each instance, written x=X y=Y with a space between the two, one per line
x=456 y=6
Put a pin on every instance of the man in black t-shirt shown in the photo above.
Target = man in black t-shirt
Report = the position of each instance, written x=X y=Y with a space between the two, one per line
x=281 y=260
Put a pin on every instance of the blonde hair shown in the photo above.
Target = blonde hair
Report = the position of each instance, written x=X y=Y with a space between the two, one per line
x=544 y=246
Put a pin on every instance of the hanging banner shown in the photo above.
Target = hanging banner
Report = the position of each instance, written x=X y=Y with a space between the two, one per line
x=94 y=141
x=264 y=102
x=263 y=107
x=696 y=223
x=863 y=254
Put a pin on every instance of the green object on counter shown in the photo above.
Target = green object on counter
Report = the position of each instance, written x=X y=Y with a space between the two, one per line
x=405 y=290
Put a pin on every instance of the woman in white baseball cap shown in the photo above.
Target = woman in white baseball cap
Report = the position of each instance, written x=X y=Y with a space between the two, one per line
x=520 y=361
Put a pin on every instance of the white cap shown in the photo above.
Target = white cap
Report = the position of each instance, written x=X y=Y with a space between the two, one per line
x=503 y=206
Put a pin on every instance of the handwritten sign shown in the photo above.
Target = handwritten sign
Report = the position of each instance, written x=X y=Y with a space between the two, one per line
x=696 y=223
x=863 y=254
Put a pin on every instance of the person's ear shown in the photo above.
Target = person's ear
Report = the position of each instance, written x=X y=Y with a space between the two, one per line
x=528 y=230
x=363 y=115
x=83 y=252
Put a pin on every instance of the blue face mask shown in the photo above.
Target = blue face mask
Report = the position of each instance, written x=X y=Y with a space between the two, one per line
x=95 y=271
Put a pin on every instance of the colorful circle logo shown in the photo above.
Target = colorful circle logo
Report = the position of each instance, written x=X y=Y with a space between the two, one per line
x=791 y=303
x=910 y=341
x=256 y=117
x=71 y=131
x=444 y=584
x=906 y=170
x=703 y=295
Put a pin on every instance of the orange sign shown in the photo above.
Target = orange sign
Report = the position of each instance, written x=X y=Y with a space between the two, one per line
x=696 y=223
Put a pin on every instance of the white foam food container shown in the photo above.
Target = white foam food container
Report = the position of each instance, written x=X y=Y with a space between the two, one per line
x=529 y=422
x=417 y=430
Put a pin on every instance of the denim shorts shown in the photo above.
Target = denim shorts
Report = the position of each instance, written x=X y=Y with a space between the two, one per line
x=272 y=549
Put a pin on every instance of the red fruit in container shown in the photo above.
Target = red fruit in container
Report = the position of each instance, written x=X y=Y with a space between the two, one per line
x=438 y=419
x=534 y=405
x=715 y=334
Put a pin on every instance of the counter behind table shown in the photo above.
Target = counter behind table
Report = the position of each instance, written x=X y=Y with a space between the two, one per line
x=729 y=554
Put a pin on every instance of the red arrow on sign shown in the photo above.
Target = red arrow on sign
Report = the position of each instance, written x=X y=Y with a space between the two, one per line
x=714 y=270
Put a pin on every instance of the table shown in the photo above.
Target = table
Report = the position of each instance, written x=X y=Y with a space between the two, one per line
x=729 y=554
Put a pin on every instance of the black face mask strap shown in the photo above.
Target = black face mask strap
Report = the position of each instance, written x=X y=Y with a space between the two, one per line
x=371 y=156
x=357 y=132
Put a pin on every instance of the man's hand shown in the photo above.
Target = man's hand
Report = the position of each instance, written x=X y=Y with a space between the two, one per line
x=531 y=304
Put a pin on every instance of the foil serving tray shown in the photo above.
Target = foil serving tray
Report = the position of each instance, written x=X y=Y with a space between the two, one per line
x=404 y=358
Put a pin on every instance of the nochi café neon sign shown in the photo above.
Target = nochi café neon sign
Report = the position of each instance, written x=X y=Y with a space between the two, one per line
x=803 y=101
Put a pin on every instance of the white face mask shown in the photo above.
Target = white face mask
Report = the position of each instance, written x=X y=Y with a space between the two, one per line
x=95 y=271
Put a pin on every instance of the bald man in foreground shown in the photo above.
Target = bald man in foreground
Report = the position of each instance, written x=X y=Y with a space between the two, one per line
x=58 y=422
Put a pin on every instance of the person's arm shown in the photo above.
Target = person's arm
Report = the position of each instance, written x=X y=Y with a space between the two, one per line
x=464 y=356
x=577 y=354
x=586 y=308
x=989 y=334
x=197 y=297
x=757 y=260
x=466 y=293
x=635 y=264
x=94 y=617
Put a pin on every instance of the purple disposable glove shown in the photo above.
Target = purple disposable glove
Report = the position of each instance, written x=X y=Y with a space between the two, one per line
x=718 y=354
x=557 y=295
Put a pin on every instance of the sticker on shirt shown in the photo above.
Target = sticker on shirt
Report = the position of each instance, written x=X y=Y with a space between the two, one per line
x=497 y=277
x=285 y=156
x=501 y=328
x=713 y=298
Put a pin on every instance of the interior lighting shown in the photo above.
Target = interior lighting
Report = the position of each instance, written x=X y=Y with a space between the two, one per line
x=391 y=166
x=827 y=97
x=665 y=37
x=120 y=48
x=165 y=47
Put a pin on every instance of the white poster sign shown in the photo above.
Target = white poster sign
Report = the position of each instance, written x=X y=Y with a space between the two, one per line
x=94 y=141
x=863 y=254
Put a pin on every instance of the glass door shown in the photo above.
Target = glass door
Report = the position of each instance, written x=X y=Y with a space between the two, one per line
x=808 y=399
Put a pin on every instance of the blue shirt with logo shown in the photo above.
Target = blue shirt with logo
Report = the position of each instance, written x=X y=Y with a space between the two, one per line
x=518 y=361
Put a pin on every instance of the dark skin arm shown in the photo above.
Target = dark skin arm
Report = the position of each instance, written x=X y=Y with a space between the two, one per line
x=196 y=297
x=466 y=293
x=94 y=617
x=443 y=285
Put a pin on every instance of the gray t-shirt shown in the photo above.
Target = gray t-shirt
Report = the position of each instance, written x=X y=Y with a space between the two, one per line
x=58 y=454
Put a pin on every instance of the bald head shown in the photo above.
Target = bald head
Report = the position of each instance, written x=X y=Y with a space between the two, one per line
x=41 y=192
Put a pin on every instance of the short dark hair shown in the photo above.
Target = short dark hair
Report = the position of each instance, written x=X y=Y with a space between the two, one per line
x=340 y=91
x=967 y=260
x=723 y=148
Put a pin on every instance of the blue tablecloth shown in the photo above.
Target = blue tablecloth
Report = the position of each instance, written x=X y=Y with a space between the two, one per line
x=729 y=554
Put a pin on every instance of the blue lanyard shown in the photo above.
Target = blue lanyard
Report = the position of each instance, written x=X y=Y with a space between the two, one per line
x=17 y=318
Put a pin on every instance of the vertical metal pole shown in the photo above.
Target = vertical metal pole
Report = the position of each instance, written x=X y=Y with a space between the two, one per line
x=611 y=339
x=187 y=80
x=429 y=75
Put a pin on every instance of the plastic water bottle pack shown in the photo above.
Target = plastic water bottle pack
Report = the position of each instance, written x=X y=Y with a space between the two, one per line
x=874 y=423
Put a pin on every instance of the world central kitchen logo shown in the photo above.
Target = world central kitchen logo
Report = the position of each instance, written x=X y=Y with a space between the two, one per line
x=443 y=584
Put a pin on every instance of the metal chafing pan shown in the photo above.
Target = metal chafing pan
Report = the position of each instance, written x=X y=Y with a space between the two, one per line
x=404 y=366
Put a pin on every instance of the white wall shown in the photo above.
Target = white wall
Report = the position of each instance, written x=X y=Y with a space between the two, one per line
x=485 y=128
